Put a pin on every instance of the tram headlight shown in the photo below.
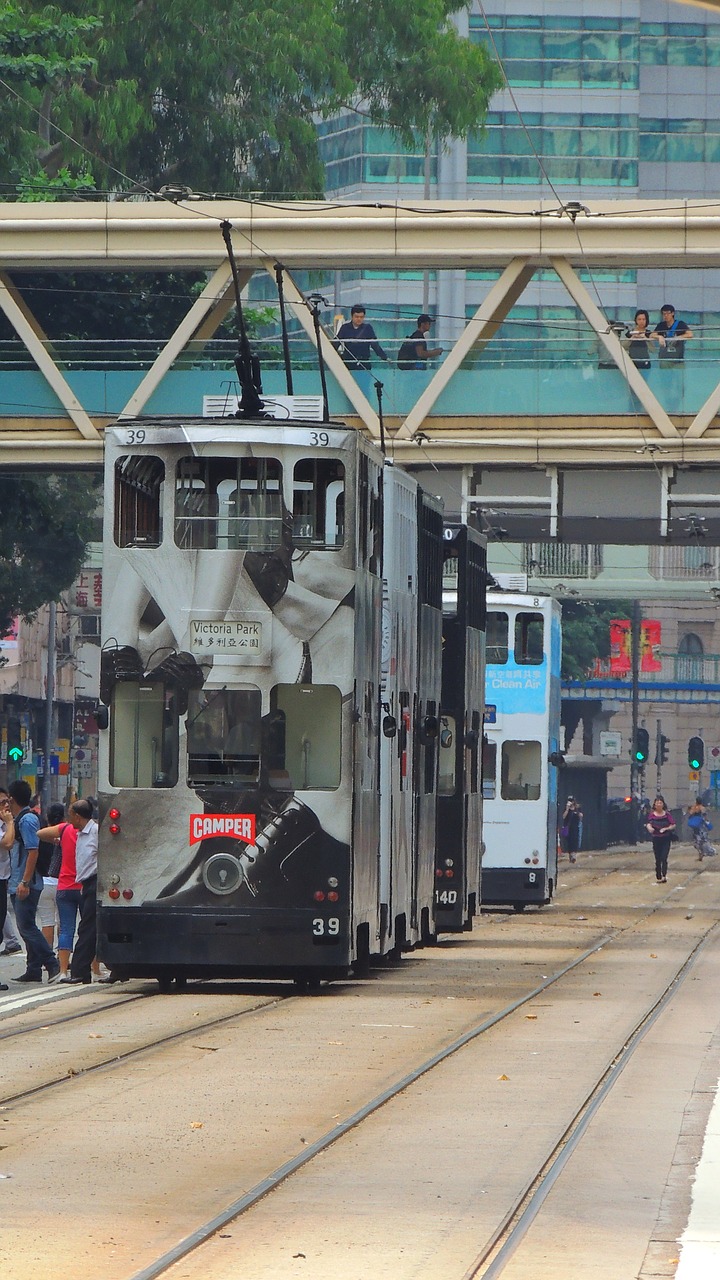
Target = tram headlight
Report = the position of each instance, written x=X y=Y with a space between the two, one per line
x=333 y=882
x=449 y=862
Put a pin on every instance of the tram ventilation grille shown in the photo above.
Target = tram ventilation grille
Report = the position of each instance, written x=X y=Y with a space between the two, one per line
x=305 y=408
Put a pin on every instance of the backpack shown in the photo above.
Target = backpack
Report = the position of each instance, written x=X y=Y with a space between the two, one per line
x=407 y=355
x=21 y=843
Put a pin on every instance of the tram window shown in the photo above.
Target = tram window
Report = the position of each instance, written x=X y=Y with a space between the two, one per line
x=529 y=639
x=474 y=762
x=318 y=503
x=489 y=769
x=223 y=737
x=229 y=504
x=520 y=770
x=144 y=736
x=312 y=715
x=448 y=756
x=496 y=638
x=139 y=482
x=370 y=515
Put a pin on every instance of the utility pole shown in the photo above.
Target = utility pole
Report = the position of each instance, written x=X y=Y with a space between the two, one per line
x=635 y=771
x=49 y=699
x=658 y=757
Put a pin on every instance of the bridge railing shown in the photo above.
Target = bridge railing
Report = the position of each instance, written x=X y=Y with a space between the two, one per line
x=515 y=375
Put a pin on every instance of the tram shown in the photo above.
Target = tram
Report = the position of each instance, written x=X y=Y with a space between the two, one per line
x=521 y=740
x=271 y=648
x=459 y=809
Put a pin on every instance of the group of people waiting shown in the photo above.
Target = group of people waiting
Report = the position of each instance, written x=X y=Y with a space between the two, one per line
x=48 y=873
x=670 y=334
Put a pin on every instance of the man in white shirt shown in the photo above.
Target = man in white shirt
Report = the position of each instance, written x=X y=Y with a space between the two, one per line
x=86 y=872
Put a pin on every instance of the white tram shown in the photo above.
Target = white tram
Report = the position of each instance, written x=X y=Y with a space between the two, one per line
x=247 y=708
x=522 y=727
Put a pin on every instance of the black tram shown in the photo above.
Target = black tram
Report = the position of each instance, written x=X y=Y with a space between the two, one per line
x=459 y=808
x=249 y=707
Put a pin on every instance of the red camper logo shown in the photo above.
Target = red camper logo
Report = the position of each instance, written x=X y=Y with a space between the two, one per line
x=238 y=826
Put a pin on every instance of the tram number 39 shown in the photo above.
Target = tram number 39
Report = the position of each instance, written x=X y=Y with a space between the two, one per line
x=446 y=897
x=321 y=927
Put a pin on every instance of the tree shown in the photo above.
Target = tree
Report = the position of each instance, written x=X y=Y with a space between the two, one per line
x=224 y=96
x=46 y=524
x=586 y=633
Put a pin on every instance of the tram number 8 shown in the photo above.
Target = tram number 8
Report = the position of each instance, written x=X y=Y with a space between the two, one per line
x=446 y=897
x=322 y=928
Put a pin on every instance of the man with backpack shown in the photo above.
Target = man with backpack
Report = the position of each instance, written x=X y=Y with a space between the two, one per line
x=26 y=885
x=414 y=352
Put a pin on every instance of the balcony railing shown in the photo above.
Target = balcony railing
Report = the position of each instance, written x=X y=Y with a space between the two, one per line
x=675 y=668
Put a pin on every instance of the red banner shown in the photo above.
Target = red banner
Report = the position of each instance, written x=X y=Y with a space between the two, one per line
x=620 y=646
x=650 y=645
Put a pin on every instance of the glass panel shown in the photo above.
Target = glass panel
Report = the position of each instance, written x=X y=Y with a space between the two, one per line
x=139 y=483
x=448 y=757
x=520 y=770
x=223 y=737
x=318 y=503
x=686 y=52
x=489 y=768
x=312 y=715
x=529 y=639
x=228 y=504
x=496 y=638
x=144 y=736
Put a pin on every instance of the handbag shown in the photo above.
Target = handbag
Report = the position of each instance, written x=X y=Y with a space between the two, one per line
x=56 y=857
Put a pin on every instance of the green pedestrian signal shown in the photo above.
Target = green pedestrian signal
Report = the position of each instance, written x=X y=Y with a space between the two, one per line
x=16 y=754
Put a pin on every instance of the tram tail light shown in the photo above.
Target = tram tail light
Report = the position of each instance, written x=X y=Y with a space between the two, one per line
x=449 y=874
x=319 y=896
x=114 y=893
x=128 y=894
x=113 y=813
x=114 y=829
x=333 y=896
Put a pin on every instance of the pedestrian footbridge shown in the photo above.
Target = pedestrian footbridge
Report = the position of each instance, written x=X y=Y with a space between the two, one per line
x=501 y=401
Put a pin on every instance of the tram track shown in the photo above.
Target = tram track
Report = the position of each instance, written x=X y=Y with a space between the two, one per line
x=522 y=1212
x=119 y=1059
x=497 y=1252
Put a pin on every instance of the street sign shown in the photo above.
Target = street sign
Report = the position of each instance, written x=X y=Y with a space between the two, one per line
x=610 y=744
x=693 y=776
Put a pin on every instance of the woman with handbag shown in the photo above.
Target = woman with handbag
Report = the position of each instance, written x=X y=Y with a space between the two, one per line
x=64 y=836
x=661 y=826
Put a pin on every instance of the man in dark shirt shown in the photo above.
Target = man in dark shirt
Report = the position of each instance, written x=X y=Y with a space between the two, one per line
x=672 y=334
x=356 y=339
x=414 y=352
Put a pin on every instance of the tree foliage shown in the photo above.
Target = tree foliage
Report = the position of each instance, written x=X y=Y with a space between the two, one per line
x=224 y=96
x=46 y=524
x=586 y=633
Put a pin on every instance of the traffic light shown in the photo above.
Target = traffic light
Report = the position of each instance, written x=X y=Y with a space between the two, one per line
x=696 y=753
x=16 y=754
x=641 y=746
x=662 y=752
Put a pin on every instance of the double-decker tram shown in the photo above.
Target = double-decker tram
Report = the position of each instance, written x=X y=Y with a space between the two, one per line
x=248 y=701
x=459 y=810
x=522 y=727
